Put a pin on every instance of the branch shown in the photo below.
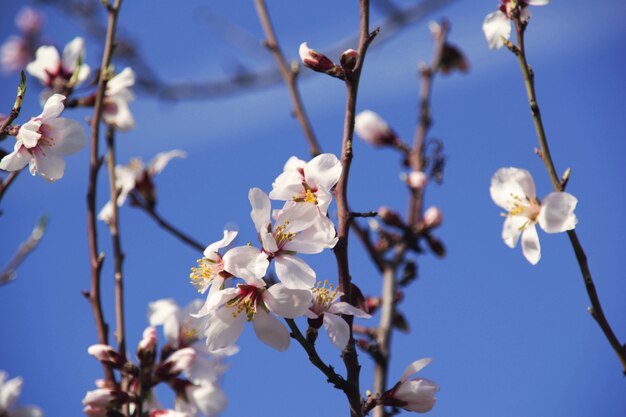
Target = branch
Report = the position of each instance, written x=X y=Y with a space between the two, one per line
x=289 y=75
x=4 y=186
x=17 y=106
x=9 y=272
x=596 y=308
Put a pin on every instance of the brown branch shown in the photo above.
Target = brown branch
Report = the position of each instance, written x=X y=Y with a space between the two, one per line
x=139 y=202
x=4 y=186
x=8 y=274
x=289 y=76
x=94 y=166
x=118 y=255
x=17 y=106
x=596 y=307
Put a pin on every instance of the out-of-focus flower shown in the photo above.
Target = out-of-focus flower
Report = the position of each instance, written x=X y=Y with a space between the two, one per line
x=138 y=177
x=170 y=413
x=146 y=349
x=15 y=54
x=55 y=72
x=248 y=302
x=9 y=392
x=497 y=25
x=176 y=363
x=42 y=141
x=107 y=355
x=29 y=21
x=206 y=398
x=417 y=394
x=432 y=217
x=417 y=180
x=327 y=307
x=116 y=98
x=373 y=129
x=513 y=189
x=102 y=397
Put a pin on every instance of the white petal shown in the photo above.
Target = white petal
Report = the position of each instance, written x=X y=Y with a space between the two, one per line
x=215 y=299
x=270 y=331
x=287 y=302
x=418 y=393
x=557 y=212
x=116 y=112
x=223 y=329
x=297 y=216
x=337 y=329
x=161 y=160
x=9 y=392
x=261 y=209
x=496 y=26
x=512 y=229
x=321 y=235
x=287 y=185
x=46 y=61
x=208 y=398
x=530 y=245
x=121 y=81
x=29 y=134
x=230 y=233
x=414 y=368
x=53 y=107
x=293 y=163
x=510 y=186
x=323 y=171
x=294 y=272
x=537 y=2
x=161 y=310
x=106 y=212
x=69 y=136
x=341 y=307
x=247 y=262
x=17 y=159
x=74 y=50
x=51 y=167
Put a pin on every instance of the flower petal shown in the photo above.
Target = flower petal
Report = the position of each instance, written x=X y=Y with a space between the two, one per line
x=46 y=62
x=323 y=171
x=418 y=393
x=337 y=329
x=51 y=167
x=223 y=329
x=270 y=330
x=17 y=159
x=512 y=229
x=286 y=302
x=414 y=368
x=230 y=233
x=29 y=134
x=160 y=161
x=261 y=209
x=530 y=244
x=69 y=136
x=510 y=186
x=341 y=307
x=294 y=272
x=72 y=52
x=53 y=107
x=124 y=80
x=557 y=212
x=496 y=26
x=247 y=262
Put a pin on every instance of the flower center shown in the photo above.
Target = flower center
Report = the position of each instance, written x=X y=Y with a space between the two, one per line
x=323 y=297
x=202 y=276
x=282 y=235
x=526 y=207
x=248 y=299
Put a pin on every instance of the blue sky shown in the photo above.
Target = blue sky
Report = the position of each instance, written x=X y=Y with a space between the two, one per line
x=506 y=338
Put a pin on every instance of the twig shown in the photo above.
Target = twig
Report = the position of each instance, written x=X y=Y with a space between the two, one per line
x=4 y=186
x=17 y=105
x=596 y=308
x=118 y=255
x=94 y=166
x=333 y=378
x=8 y=274
x=139 y=202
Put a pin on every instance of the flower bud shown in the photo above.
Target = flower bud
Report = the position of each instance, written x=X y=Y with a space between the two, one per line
x=147 y=343
x=319 y=62
x=348 y=60
x=416 y=394
x=102 y=397
x=373 y=129
x=390 y=217
x=452 y=59
x=417 y=180
x=176 y=363
x=106 y=354
x=432 y=217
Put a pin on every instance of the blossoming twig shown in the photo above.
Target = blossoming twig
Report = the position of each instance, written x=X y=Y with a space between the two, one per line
x=17 y=105
x=289 y=76
x=8 y=274
x=94 y=167
x=596 y=308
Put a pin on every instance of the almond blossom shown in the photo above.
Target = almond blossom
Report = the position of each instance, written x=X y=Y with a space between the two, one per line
x=9 y=392
x=373 y=129
x=42 y=141
x=116 y=98
x=327 y=308
x=136 y=176
x=416 y=394
x=254 y=303
x=497 y=25
x=513 y=189
x=55 y=71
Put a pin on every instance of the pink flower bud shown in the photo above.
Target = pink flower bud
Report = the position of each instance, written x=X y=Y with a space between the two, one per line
x=29 y=20
x=314 y=60
x=149 y=339
x=105 y=353
x=432 y=217
x=100 y=397
x=417 y=180
x=168 y=413
x=348 y=59
x=416 y=394
x=176 y=363
x=373 y=129
x=95 y=411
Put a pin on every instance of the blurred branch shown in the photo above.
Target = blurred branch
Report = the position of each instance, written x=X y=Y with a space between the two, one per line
x=4 y=186
x=529 y=81
x=84 y=12
x=9 y=273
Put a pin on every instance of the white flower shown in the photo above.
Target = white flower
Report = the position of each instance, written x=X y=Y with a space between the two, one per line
x=42 y=141
x=54 y=71
x=296 y=230
x=235 y=306
x=513 y=189
x=327 y=306
x=15 y=53
x=116 y=98
x=137 y=176
x=417 y=394
x=497 y=25
x=9 y=392
x=373 y=129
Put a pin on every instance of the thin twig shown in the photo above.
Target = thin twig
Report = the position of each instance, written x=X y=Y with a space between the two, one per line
x=289 y=76
x=118 y=255
x=139 y=202
x=17 y=105
x=4 y=186
x=94 y=166
x=8 y=274
x=596 y=308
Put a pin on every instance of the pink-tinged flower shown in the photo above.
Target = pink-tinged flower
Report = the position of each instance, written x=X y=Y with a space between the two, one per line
x=146 y=348
x=30 y=21
x=106 y=354
x=497 y=25
x=55 y=72
x=102 y=397
x=207 y=399
x=432 y=217
x=116 y=98
x=9 y=392
x=416 y=394
x=176 y=363
x=513 y=189
x=42 y=141
x=234 y=306
x=373 y=129
x=15 y=54
x=326 y=306
x=296 y=230
x=138 y=177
